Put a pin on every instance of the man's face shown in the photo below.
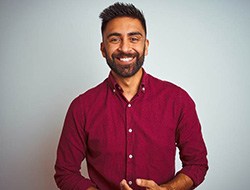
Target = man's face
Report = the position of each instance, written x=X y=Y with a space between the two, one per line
x=124 y=45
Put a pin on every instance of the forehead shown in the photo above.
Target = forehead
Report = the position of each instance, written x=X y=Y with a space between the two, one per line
x=124 y=25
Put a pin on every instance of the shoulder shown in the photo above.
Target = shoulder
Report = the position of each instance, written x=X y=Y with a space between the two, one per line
x=95 y=91
x=169 y=90
x=164 y=85
x=89 y=97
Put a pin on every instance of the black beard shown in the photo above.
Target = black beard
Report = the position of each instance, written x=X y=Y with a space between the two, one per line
x=125 y=71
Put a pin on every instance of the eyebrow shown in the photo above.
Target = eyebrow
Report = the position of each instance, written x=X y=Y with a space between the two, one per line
x=134 y=34
x=129 y=34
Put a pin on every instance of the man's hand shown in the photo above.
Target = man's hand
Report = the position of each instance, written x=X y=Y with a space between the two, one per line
x=147 y=184
x=151 y=185
x=179 y=182
x=91 y=188
x=124 y=185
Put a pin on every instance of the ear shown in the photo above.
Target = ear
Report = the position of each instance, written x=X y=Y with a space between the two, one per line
x=102 y=48
x=146 y=47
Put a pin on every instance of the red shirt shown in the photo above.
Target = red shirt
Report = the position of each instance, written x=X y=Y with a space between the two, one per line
x=129 y=140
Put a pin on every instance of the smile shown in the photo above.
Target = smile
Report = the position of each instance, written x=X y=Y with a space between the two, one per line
x=126 y=59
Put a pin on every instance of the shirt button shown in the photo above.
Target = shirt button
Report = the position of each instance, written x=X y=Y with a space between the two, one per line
x=130 y=182
x=129 y=105
x=143 y=88
x=130 y=156
x=130 y=130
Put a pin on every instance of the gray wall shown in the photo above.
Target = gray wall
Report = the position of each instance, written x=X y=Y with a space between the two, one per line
x=49 y=53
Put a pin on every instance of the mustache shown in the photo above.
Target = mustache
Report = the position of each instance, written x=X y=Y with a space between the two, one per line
x=122 y=54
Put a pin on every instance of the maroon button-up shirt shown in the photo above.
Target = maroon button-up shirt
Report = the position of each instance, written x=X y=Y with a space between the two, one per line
x=129 y=140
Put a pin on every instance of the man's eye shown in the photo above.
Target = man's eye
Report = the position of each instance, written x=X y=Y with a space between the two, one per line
x=114 y=40
x=134 y=39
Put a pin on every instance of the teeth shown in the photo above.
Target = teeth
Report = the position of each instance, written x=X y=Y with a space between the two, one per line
x=127 y=59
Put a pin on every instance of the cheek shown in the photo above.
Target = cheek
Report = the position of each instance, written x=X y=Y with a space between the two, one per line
x=105 y=53
x=141 y=49
x=109 y=51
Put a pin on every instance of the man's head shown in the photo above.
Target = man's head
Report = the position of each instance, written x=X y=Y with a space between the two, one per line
x=124 y=42
x=121 y=10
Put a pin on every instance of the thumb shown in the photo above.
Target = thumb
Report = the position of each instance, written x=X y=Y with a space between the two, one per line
x=124 y=185
x=145 y=183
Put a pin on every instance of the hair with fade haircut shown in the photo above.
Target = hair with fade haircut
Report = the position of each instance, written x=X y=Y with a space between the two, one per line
x=121 y=10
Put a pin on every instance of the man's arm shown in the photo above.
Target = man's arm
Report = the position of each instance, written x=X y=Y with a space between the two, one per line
x=180 y=182
x=71 y=151
x=190 y=142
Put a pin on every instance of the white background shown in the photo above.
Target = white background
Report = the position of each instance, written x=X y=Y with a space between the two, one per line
x=49 y=54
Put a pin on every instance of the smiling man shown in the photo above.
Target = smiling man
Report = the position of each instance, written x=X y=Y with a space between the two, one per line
x=128 y=127
x=124 y=46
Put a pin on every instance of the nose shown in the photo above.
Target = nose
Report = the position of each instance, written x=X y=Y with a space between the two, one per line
x=124 y=46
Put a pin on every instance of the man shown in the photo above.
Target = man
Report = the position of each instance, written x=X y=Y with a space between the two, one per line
x=128 y=127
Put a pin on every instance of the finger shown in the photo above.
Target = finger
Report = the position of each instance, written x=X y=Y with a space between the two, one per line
x=124 y=185
x=145 y=183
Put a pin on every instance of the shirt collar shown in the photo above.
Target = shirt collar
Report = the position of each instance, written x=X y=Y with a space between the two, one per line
x=116 y=87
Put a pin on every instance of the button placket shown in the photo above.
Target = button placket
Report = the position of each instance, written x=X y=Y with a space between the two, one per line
x=130 y=156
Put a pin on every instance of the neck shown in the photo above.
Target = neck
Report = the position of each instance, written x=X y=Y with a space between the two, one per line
x=129 y=85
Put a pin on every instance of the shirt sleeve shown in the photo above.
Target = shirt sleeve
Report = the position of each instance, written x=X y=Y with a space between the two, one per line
x=193 y=153
x=72 y=151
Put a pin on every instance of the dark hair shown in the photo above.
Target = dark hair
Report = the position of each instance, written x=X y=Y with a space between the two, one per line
x=121 y=10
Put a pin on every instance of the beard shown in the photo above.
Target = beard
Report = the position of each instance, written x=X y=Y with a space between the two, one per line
x=129 y=70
